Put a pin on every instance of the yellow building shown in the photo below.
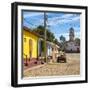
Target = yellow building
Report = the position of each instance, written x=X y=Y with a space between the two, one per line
x=30 y=44
x=33 y=47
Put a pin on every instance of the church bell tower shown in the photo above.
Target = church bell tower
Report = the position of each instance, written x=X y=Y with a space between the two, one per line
x=71 y=34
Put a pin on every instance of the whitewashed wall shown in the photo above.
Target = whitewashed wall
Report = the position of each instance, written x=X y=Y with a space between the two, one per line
x=71 y=46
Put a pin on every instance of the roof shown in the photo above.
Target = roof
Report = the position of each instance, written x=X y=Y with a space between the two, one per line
x=52 y=44
x=71 y=28
x=34 y=33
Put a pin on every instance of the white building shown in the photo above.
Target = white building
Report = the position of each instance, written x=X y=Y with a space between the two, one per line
x=71 y=46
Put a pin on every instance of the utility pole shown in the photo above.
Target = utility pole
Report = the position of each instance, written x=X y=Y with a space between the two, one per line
x=45 y=37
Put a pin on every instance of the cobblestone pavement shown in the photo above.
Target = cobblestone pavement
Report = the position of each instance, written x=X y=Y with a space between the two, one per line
x=71 y=67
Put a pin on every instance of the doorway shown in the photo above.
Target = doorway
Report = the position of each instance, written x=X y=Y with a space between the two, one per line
x=30 y=49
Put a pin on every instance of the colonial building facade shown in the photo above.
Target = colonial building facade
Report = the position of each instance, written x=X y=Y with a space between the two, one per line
x=71 y=45
x=33 y=48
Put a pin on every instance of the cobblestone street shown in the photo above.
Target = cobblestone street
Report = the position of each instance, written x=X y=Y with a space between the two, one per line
x=71 y=67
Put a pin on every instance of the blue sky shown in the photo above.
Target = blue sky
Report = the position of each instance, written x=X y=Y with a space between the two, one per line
x=58 y=23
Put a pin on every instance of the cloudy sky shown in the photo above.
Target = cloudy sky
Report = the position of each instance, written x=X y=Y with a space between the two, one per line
x=58 y=23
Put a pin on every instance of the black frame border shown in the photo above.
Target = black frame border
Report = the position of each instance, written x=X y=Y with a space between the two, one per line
x=14 y=43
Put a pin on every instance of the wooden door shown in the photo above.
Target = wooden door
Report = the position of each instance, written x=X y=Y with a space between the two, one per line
x=30 y=48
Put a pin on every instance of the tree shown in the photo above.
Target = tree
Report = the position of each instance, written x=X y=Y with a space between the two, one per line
x=62 y=38
x=56 y=42
x=40 y=30
x=62 y=43
x=77 y=41
x=49 y=35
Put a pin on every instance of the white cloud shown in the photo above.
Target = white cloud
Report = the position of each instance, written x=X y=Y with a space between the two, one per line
x=63 y=19
x=77 y=34
x=66 y=35
x=26 y=15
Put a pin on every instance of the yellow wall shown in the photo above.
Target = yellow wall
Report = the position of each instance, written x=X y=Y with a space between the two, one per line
x=26 y=37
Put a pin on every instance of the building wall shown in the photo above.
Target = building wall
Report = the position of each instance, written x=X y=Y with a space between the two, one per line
x=26 y=37
x=72 y=47
x=49 y=50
